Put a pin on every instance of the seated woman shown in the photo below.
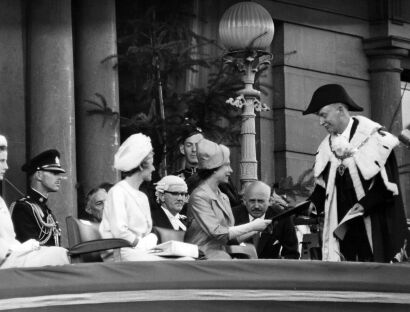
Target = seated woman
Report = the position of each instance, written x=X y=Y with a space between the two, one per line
x=12 y=252
x=127 y=212
x=210 y=218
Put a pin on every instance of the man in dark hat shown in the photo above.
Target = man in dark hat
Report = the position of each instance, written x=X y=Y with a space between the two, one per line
x=191 y=135
x=357 y=184
x=187 y=147
x=31 y=216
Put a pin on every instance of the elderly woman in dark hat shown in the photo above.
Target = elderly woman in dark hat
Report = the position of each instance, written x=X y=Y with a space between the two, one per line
x=127 y=213
x=210 y=218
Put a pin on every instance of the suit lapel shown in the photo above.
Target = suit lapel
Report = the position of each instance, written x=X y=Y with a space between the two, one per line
x=265 y=237
x=165 y=219
x=353 y=129
x=215 y=198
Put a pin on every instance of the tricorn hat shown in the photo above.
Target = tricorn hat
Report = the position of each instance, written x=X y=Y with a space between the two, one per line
x=330 y=94
x=48 y=160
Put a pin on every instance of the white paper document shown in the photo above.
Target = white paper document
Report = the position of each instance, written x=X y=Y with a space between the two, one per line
x=175 y=249
x=341 y=229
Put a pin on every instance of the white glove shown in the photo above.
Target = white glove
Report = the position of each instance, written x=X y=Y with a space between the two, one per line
x=257 y=225
x=147 y=242
x=28 y=245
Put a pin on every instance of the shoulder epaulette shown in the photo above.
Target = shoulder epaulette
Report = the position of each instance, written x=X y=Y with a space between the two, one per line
x=20 y=200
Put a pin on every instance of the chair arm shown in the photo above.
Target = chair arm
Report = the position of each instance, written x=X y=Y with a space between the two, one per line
x=98 y=245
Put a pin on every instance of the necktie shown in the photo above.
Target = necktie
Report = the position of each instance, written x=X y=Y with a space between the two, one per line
x=180 y=224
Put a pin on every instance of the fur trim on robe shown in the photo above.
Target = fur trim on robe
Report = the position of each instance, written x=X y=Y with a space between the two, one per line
x=371 y=147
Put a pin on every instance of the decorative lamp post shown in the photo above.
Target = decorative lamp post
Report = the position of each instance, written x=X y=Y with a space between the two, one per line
x=246 y=29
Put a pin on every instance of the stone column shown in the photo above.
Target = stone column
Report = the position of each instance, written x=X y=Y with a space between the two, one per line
x=12 y=96
x=97 y=134
x=385 y=68
x=385 y=87
x=50 y=88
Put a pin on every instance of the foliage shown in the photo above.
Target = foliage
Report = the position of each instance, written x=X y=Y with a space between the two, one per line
x=300 y=190
x=156 y=50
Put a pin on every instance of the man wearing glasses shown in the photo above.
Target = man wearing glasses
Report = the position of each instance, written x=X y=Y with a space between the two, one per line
x=171 y=193
x=31 y=216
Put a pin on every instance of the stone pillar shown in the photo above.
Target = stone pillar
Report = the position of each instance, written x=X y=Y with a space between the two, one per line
x=50 y=88
x=97 y=134
x=385 y=68
x=12 y=96
x=385 y=89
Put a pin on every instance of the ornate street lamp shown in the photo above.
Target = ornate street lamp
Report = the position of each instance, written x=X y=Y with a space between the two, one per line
x=246 y=29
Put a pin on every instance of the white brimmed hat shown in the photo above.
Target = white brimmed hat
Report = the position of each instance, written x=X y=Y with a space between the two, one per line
x=132 y=152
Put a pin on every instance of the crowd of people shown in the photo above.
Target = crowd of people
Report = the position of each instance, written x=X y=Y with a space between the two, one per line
x=356 y=191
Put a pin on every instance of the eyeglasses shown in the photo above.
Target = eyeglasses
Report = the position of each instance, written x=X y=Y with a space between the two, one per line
x=183 y=194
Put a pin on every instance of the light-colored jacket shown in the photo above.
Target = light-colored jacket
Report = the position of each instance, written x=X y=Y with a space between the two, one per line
x=209 y=218
x=8 y=239
x=127 y=214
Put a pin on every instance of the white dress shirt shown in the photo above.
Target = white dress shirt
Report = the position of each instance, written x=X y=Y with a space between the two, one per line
x=175 y=221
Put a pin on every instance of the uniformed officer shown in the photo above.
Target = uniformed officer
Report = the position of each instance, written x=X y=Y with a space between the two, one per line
x=31 y=216
x=187 y=146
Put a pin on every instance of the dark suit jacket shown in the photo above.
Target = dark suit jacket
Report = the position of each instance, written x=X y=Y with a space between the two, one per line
x=159 y=218
x=283 y=235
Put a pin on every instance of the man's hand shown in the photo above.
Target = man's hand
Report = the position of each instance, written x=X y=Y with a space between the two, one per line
x=357 y=208
x=312 y=209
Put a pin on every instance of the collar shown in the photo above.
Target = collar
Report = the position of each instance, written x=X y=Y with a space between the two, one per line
x=191 y=169
x=169 y=214
x=175 y=220
x=251 y=218
x=37 y=196
x=346 y=132
x=188 y=172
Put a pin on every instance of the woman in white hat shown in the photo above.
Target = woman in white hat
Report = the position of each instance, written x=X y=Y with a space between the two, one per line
x=127 y=213
x=210 y=218
x=12 y=252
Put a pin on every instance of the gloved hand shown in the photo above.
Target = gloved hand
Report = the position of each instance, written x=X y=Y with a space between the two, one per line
x=260 y=224
x=257 y=225
x=147 y=242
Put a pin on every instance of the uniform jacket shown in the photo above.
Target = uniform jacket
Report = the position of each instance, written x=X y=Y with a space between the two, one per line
x=209 y=219
x=282 y=243
x=32 y=219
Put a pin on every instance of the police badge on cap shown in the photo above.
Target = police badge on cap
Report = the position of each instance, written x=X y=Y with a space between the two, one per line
x=48 y=160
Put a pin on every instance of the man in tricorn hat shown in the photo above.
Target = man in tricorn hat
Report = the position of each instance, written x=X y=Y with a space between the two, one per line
x=31 y=216
x=356 y=183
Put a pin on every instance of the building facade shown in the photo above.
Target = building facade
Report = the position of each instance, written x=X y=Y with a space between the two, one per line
x=50 y=63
